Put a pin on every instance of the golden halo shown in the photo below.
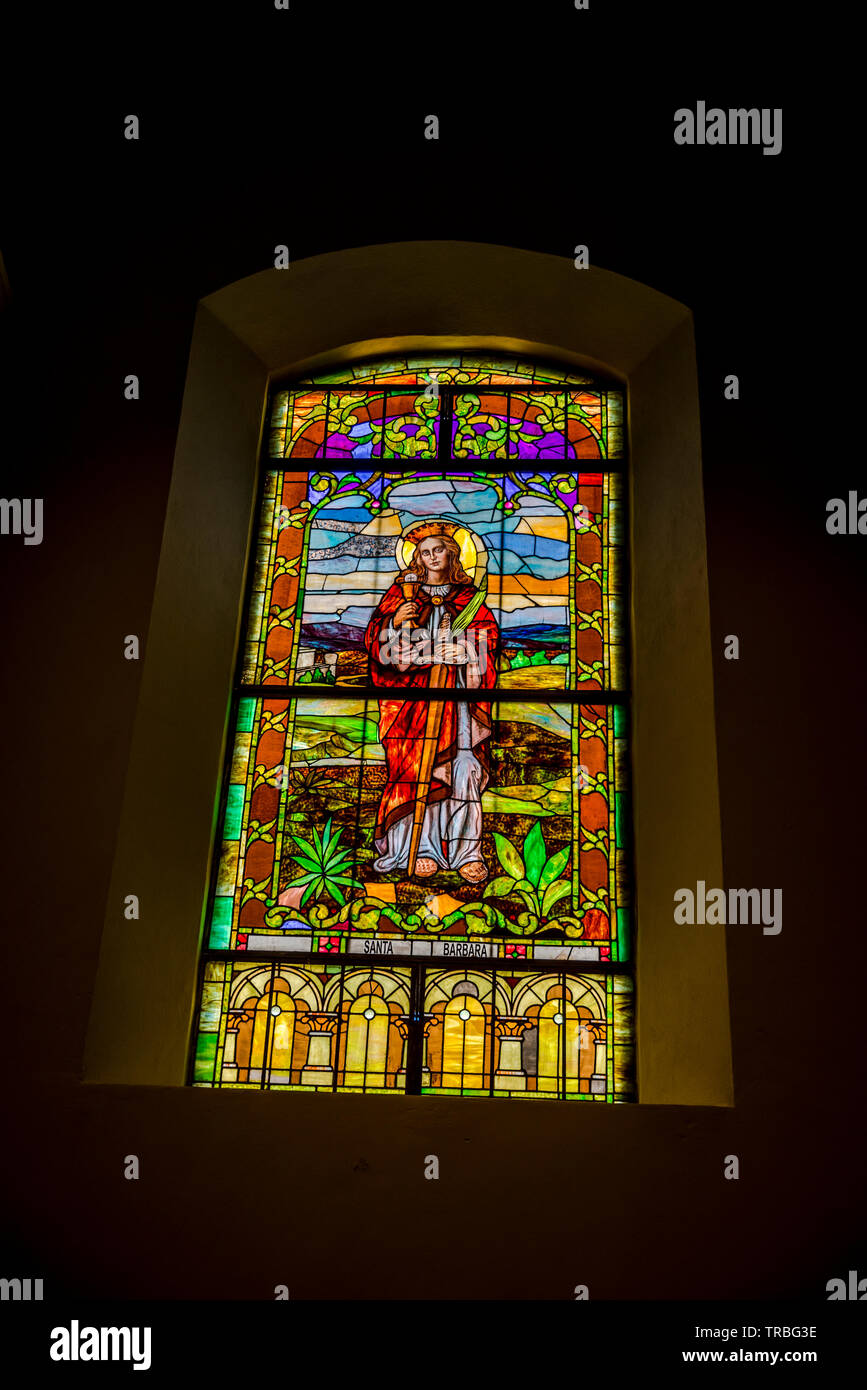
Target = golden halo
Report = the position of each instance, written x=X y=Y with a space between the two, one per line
x=469 y=550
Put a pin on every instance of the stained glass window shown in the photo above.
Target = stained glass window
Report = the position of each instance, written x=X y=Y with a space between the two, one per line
x=422 y=878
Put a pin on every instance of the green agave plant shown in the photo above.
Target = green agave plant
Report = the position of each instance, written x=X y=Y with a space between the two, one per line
x=326 y=866
x=531 y=875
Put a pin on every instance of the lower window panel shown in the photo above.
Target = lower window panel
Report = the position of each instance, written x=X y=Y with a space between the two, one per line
x=418 y=1029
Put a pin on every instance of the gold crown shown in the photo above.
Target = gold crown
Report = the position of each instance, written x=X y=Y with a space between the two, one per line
x=431 y=528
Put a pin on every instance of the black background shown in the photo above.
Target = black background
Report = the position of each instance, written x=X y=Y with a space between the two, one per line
x=260 y=127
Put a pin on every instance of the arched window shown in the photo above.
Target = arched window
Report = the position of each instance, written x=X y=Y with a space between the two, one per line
x=367 y=304
x=429 y=761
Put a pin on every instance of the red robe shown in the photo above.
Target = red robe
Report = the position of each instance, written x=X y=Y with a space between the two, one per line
x=402 y=721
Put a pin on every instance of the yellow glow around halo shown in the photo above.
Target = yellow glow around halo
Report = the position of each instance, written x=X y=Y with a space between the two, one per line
x=469 y=553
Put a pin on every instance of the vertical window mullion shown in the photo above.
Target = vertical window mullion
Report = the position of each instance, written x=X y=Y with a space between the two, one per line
x=415 y=1038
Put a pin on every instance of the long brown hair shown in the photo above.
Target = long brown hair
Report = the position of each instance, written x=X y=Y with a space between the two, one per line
x=455 y=574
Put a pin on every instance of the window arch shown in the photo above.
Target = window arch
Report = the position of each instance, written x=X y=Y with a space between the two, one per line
x=429 y=757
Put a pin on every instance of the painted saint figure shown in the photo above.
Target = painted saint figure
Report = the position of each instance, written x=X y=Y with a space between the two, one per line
x=411 y=647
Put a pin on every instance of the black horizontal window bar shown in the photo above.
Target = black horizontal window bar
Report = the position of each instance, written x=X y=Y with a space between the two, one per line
x=497 y=696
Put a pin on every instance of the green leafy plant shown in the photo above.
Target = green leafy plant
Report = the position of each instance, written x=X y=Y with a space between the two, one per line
x=326 y=866
x=477 y=919
x=532 y=875
x=307 y=781
x=302 y=784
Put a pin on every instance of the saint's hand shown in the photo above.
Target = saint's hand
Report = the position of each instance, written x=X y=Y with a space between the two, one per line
x=449 y=652
x=406 y=613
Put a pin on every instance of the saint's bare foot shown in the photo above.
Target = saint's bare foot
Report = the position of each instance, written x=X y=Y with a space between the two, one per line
x=425 y=868
x=474 y=873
